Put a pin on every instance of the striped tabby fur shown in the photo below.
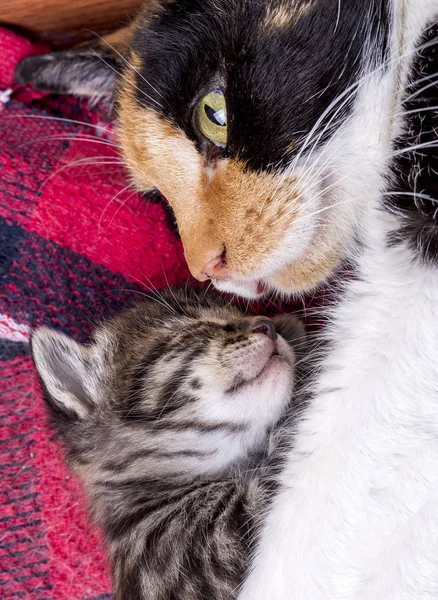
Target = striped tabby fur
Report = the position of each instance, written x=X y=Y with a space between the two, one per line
x=168 y=418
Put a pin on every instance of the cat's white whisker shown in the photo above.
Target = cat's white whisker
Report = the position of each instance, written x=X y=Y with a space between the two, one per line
x=70 y=138
x=142 y=92
x=122 y=204
x=113 y=199
x=94 y=161
x=60 y=119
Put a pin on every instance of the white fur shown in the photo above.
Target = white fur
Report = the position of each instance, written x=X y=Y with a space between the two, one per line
x=357 y=514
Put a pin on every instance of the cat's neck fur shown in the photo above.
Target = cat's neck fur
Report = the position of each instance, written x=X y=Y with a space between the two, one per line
x=358 y=516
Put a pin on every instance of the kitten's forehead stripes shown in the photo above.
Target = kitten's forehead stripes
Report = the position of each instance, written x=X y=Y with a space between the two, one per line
x=181 y=51
x=178 y=354
x=168 y=401
x=123 y=464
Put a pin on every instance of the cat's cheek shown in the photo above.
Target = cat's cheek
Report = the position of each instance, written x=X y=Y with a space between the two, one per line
x=306 y=274
x=158 y=155
x=251 y=290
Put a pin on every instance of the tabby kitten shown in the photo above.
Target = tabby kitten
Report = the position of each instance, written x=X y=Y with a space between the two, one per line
x=167 y=417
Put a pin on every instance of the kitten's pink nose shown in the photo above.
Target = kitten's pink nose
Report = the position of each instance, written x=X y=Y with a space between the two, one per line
x=215 y=268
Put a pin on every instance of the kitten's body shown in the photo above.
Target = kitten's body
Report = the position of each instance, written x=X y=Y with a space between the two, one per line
x=181 y=538
x=167 y=418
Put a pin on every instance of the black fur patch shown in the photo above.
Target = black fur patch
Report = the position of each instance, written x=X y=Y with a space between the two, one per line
x=415 y=196
x=277 y=82
x=156 y=197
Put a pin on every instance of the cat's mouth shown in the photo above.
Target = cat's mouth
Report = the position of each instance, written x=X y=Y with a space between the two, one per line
x=303 y=275
x=251 y=289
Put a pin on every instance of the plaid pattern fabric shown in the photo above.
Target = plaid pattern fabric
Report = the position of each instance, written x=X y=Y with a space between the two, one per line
x=76 y=244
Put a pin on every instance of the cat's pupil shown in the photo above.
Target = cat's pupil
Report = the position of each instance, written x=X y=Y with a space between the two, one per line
x=217 y=117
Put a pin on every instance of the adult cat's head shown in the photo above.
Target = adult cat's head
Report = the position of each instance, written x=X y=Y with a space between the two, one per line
x=250 y=119
x=264 y=124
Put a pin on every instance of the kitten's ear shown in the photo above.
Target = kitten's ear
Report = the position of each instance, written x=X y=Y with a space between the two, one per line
x=90 y=73
x=67 y=371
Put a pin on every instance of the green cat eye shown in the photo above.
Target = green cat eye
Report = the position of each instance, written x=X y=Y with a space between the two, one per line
x=212 y=118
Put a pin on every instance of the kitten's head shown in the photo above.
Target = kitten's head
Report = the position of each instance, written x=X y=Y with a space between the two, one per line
x=169 y=385
x=263 y=123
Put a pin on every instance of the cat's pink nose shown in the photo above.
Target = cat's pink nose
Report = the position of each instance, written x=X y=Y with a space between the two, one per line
x=216 y=268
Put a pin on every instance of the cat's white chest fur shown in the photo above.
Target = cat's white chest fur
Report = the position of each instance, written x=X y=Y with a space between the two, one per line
x=357 y=517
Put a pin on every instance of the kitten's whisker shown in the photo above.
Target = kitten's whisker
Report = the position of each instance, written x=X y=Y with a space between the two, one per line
x=206 y=289
x=172 y=293
x=151 y=294
x=158 y=295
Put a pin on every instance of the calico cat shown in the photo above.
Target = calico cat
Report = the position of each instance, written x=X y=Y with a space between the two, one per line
x=263 y=124
x=169 y=419
x=266 y=125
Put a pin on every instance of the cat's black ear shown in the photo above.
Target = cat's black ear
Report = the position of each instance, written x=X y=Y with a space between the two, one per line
x=89 y=73
x=67 y=371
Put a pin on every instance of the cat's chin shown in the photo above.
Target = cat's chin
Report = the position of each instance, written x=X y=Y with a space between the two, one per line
x=301 y=276
x=250 y=289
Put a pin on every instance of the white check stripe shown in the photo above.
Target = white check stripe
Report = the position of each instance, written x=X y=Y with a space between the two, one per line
x=12 y=331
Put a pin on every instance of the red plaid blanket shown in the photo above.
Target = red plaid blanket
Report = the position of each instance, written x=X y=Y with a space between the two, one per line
x=75 y=244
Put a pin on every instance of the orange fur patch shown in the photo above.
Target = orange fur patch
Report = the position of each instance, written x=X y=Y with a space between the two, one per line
x=306 y=274
x=117 y=40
